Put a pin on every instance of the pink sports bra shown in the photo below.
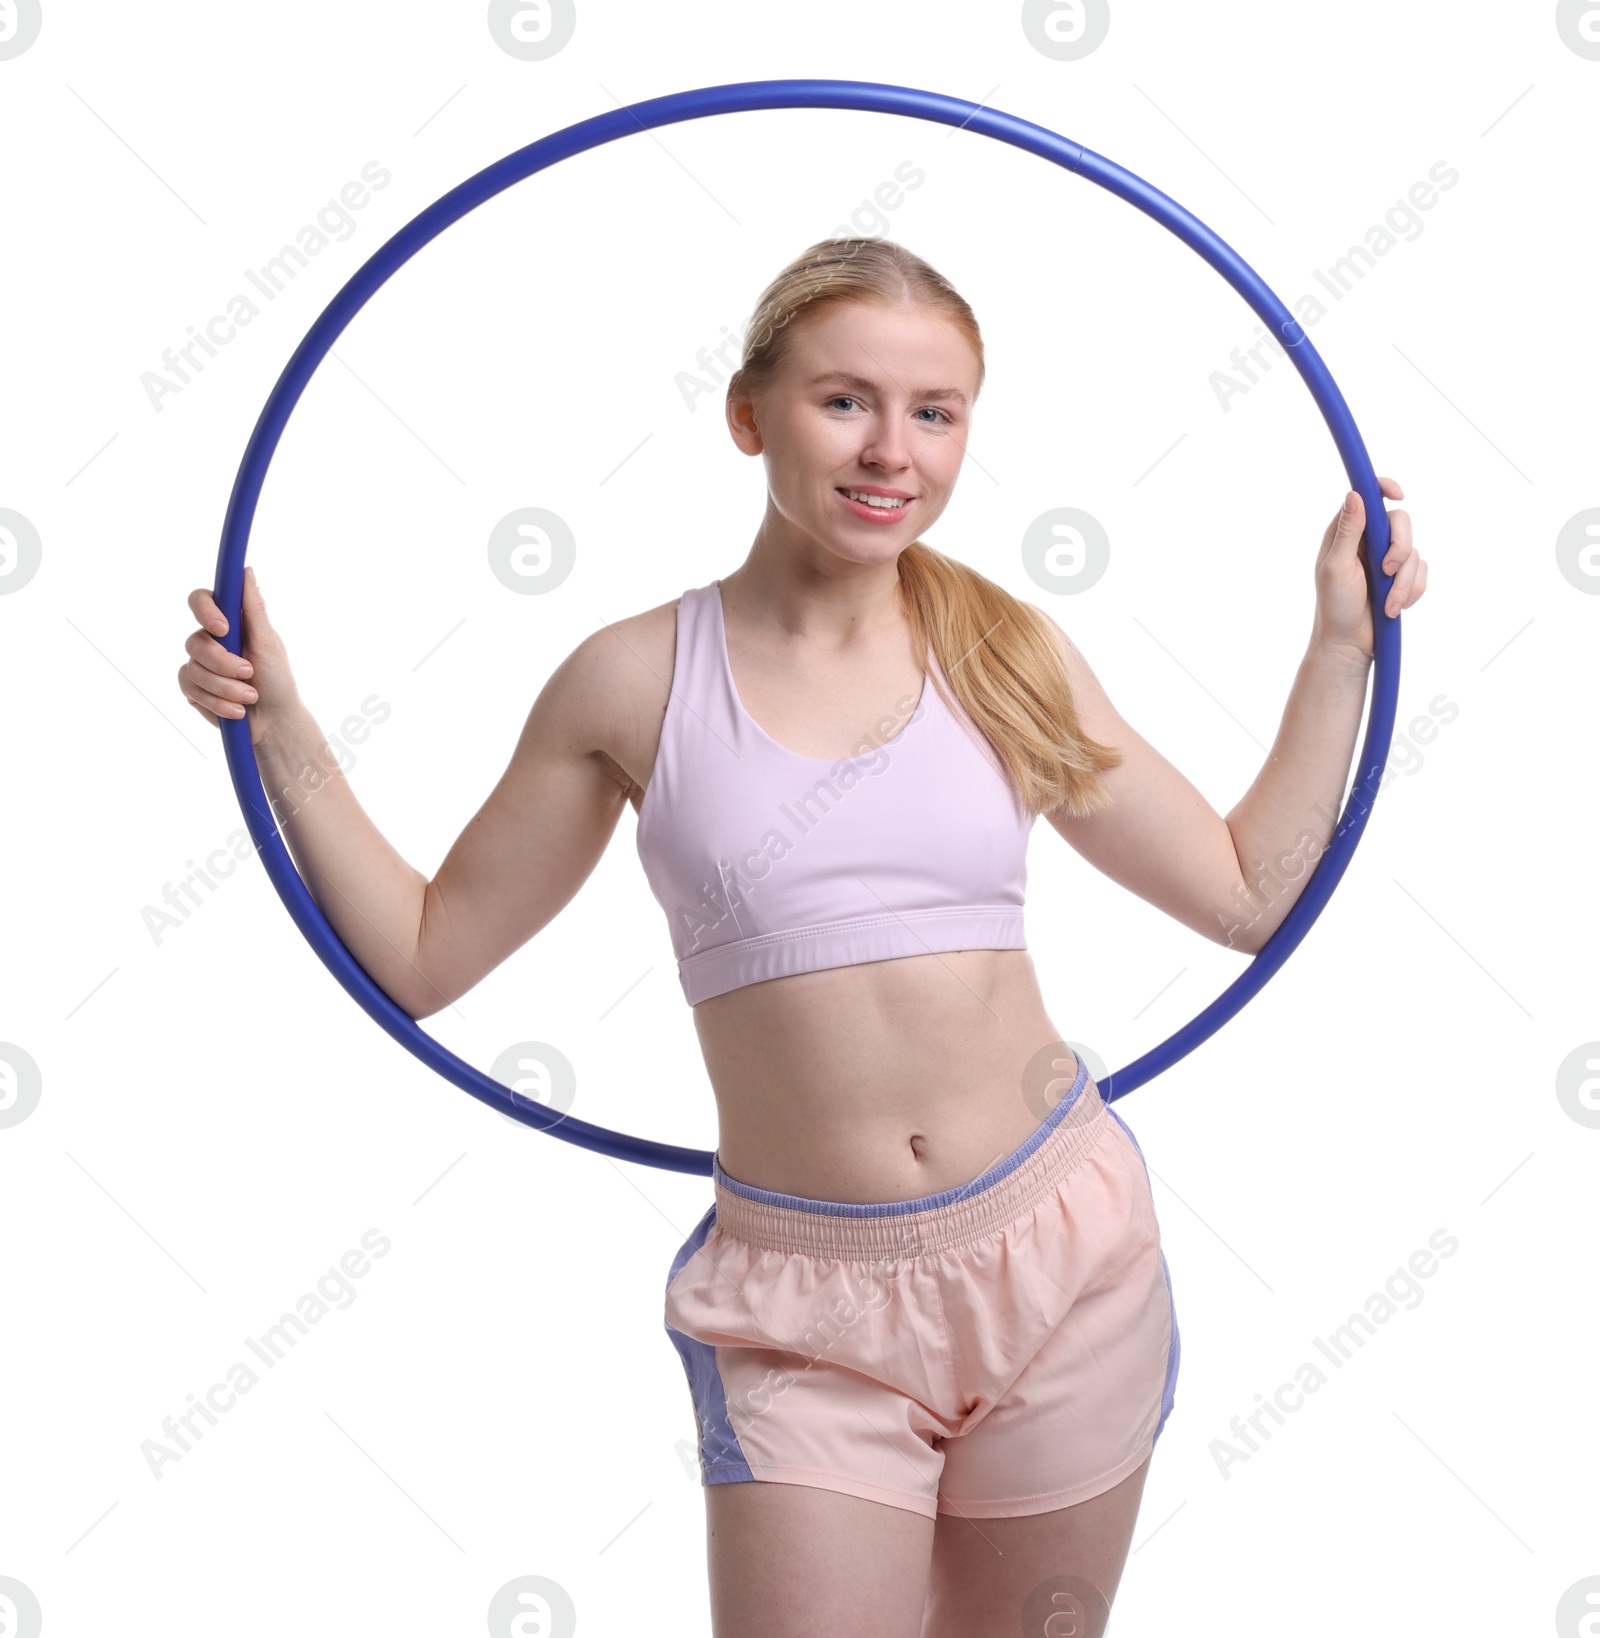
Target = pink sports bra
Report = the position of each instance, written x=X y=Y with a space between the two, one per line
x=769 y=863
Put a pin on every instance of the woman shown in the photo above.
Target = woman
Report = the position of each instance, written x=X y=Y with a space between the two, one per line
x=926 y=1322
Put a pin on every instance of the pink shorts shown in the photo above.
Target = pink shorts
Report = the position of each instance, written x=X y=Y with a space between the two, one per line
x=1001 y=1348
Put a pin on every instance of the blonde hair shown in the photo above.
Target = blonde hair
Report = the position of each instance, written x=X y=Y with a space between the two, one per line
x=1001 y=656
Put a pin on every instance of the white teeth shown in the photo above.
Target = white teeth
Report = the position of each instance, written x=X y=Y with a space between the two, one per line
x=882 y=501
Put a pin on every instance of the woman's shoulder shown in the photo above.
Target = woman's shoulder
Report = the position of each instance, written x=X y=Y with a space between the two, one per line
x=631 y=655
x=614 y=686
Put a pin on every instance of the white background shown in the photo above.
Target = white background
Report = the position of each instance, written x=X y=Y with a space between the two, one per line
x=219 y=1123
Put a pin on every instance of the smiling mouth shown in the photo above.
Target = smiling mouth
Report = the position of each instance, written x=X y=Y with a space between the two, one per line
x=877 y=503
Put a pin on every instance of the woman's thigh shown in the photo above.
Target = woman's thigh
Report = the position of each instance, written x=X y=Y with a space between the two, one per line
x=1047 y=1575
x=790 y=1561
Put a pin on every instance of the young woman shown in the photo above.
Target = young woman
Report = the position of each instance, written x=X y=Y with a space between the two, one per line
x=926 y=1322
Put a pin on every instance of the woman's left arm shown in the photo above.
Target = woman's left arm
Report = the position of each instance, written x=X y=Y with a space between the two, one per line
x=1283 y=823
x=1235 y=879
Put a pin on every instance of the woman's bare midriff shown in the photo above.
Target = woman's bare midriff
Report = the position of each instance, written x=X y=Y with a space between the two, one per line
x=882 y=1081
x=877 y=1082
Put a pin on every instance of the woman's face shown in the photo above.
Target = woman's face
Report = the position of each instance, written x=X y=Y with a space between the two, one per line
x=870 y=399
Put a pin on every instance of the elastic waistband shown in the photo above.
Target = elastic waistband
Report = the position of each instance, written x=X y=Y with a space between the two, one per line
x=929 y=1222
x=849 y=943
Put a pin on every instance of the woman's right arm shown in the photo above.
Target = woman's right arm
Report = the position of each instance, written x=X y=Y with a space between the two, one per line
x=519 y=861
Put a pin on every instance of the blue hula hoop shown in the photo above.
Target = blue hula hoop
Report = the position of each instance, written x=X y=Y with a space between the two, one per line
x=861 y=96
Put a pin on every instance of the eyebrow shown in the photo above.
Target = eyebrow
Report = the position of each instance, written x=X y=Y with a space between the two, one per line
x=861 y=384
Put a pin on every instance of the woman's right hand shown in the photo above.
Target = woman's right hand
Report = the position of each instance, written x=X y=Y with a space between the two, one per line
x=256 y=682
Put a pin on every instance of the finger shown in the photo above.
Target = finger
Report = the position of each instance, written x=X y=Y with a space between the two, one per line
x=252 y=604
x=217 y=708
x=206 y=703
x=1420 y=584
x=1344 y=533
x=214 y=686
x=203 y=606
x=1400 y=546
x=209 y=655
x=1391 y=488
x=1402 y=590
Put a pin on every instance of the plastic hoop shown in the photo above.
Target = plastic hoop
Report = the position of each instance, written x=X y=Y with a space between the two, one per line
x=860 y=96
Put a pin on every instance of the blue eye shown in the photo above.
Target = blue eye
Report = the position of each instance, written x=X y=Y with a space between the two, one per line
x=847 y=398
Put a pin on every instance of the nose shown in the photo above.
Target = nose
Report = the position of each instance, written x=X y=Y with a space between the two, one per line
x=886 y=446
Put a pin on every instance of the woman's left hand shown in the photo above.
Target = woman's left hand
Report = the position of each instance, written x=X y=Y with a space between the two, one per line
x=1344 y=613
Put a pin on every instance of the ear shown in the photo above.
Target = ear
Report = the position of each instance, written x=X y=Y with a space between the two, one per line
x=741 y=413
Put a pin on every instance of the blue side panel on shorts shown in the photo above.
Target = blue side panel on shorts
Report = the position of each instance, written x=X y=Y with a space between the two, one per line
x=1173 y=1354
x=1175 y=1347
x=721 y=1459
